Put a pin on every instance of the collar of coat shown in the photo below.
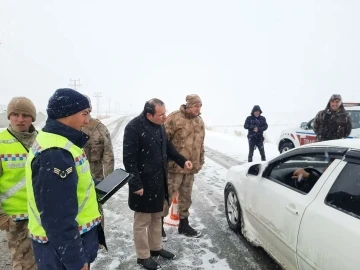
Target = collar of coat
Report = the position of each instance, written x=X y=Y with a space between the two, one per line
x=77 y=137
x=152 y=129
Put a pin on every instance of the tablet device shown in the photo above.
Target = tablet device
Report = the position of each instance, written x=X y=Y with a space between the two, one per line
x=110 y=184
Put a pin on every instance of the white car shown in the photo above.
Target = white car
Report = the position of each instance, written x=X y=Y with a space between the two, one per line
x=291 y=138
x=302 y=224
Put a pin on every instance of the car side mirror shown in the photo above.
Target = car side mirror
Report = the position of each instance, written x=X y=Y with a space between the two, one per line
x=304 y=125
x=254 y=169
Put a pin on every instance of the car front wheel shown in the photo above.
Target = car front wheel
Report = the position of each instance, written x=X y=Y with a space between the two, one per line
x=286 y=147
x=232 y=209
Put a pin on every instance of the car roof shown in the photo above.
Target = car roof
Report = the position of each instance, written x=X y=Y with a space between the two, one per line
x=352 y=108
x=347 y=143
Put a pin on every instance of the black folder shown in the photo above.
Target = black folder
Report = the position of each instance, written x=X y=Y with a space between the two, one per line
x=111 y=184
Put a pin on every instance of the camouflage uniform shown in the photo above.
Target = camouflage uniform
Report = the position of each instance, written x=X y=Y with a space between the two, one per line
x=187 y=133
x=332 y=125
x=99 y=152
x=20 y=245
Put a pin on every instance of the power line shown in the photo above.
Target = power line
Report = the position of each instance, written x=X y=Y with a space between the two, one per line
x=74 y=85
x=97 y=95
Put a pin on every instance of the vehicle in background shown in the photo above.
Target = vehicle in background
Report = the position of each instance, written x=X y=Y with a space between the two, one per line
x=295 y=137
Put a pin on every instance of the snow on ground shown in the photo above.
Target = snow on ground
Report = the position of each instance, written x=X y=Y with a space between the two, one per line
x=236 y=146
x=272 y=134
x=111 y=120
x=219 y=248
x=191 y=253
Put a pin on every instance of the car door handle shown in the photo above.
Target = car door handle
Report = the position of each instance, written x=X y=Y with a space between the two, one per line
x=292 y=209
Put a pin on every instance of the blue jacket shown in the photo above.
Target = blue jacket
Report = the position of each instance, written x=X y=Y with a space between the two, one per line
x=57 y=202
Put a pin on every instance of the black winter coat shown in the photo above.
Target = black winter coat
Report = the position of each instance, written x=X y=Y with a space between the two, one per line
x=146 y=150
x=253 y=122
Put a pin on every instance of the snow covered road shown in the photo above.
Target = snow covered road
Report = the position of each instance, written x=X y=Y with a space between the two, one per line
x=219 y=248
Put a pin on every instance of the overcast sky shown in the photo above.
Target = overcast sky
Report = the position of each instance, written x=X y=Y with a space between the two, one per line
x=286 y=56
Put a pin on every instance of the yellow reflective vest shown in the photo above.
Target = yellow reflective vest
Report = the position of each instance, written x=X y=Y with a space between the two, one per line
x=88 y=213
x=13 y=195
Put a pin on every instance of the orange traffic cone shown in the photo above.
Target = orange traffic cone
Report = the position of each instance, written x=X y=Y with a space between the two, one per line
x=173 y=218
x=174 y=213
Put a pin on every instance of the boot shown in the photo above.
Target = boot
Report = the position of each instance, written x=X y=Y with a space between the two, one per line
x=186 y=229
x=262 y=153
x=163 y=234
x=149 y=263
x=163 y=253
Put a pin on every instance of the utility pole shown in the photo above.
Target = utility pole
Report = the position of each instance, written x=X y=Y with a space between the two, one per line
x=97 y=95
x=73 y=84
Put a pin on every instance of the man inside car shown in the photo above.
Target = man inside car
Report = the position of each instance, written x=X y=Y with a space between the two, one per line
x=311 y=175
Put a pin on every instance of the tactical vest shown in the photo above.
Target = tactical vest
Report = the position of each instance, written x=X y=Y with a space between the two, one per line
x=13 y=197
x=88 y=214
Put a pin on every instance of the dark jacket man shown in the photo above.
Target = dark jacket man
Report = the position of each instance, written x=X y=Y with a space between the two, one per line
x=333 y=122
x=146 y=151
x=256 y=125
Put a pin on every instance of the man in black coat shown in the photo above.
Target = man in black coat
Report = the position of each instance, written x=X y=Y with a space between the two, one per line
x=146 y=150
x=256 y=125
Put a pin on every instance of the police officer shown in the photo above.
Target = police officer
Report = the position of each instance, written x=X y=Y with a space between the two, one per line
x=64 y=220
x=15 y=142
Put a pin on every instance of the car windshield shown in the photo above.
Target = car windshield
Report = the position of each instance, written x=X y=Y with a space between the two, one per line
x=355 y=118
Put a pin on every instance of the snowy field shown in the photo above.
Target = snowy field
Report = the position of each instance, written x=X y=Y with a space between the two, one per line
x=237 y=146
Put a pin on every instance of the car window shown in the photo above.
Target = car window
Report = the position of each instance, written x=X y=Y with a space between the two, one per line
x=282 y=171
x=344 y=195
x=355 y=118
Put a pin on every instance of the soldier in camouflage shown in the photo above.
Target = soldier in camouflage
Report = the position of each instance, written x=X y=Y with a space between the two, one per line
x=333 y=122
x=186 y=130
x=15 y=142
x=99 y=151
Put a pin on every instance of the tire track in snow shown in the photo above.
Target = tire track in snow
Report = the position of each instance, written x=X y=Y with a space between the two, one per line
x=222 y=159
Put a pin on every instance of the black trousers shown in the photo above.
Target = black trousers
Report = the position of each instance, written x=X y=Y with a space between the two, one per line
x=259 y=143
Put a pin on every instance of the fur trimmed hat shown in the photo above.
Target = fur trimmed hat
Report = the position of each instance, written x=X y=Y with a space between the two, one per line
x=192 y=100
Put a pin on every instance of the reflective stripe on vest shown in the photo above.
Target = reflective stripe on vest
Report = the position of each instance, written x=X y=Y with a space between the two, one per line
x=88 y=214
x=10 y=192
x=13 y=197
